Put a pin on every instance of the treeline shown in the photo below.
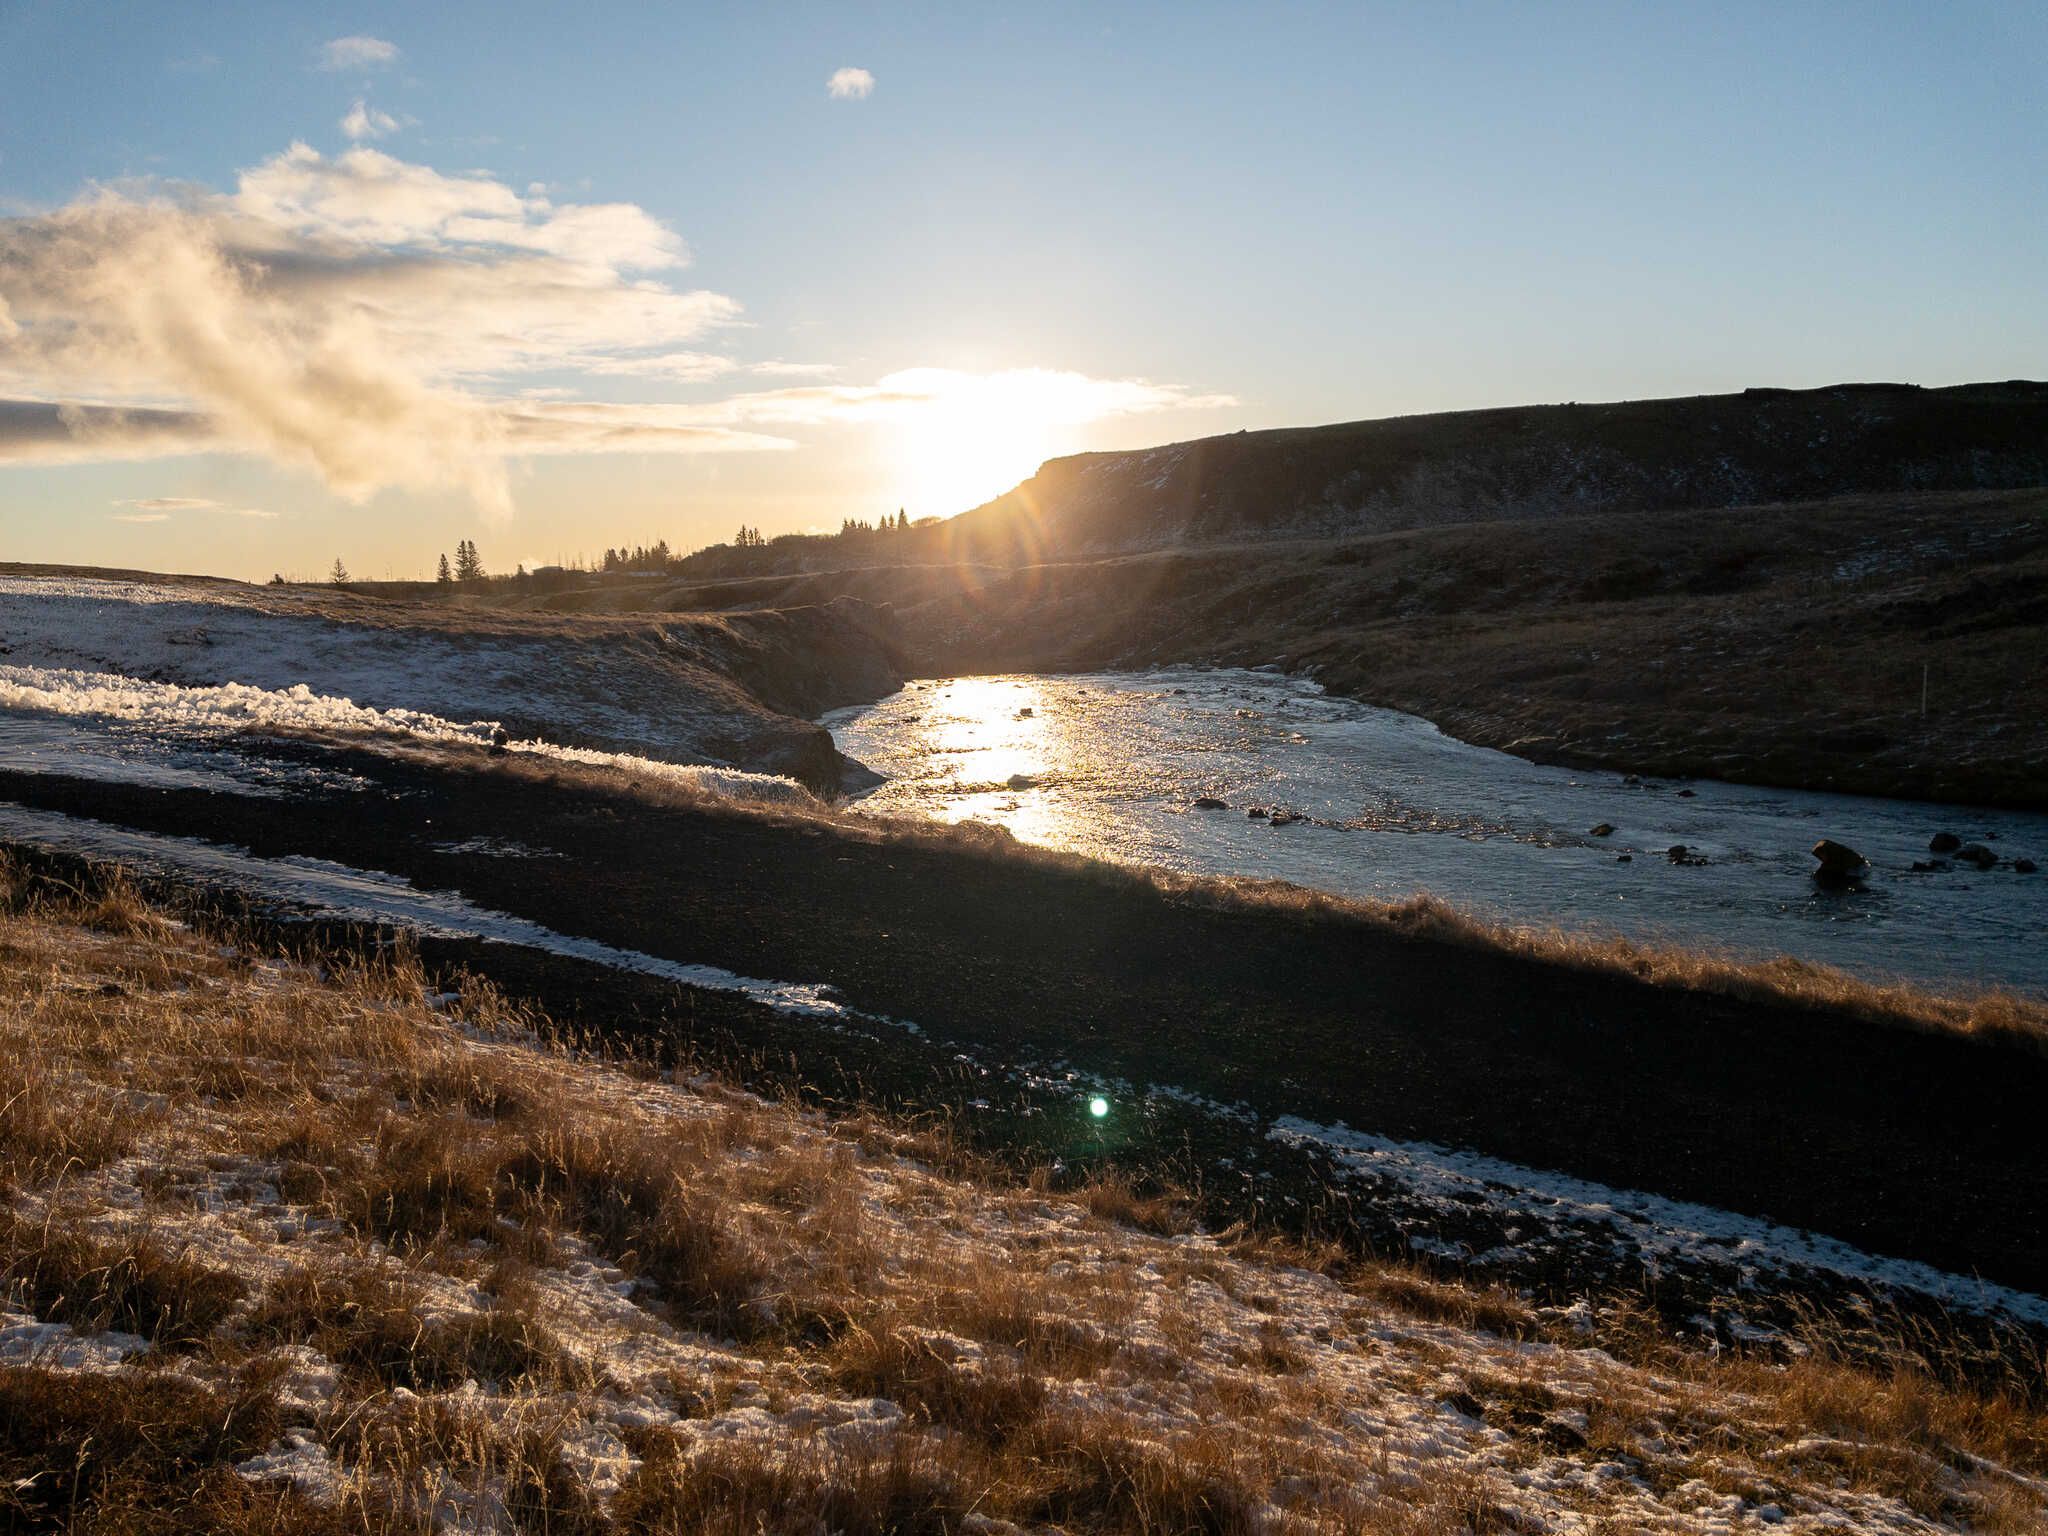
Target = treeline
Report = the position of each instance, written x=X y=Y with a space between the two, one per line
x=467 y=569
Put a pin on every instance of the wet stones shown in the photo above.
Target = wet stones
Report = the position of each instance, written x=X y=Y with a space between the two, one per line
x=1838 y=861
x=2024 y=866
x=1977 y=854
x=1944 y=842
x=1211 y=803
x=1679 y=853
x=1605 y=829
x=1256 y=813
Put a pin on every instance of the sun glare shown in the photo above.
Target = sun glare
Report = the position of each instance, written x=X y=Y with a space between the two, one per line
x=963 y=439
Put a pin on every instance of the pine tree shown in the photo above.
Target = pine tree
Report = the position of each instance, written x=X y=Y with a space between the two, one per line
x=444 y=575
x=902 y=521
x=339 y=575
x=469 y=565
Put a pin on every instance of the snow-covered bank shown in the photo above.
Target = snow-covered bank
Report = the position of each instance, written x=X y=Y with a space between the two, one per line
x=1550 y=1209
x=665 y=689
x=172 y=709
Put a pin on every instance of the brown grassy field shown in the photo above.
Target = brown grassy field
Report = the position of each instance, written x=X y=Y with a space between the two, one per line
x=323 y=1247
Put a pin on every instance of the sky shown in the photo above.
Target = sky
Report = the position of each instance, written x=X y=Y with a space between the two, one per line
x=282 y=284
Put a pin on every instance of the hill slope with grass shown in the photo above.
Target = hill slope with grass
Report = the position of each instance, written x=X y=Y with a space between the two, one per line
x=346 y=1247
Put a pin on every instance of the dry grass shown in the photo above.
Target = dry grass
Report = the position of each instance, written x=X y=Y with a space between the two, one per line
x=405 y=1270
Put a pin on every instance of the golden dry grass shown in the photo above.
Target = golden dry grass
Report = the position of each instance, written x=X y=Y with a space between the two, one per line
x=404 y=1268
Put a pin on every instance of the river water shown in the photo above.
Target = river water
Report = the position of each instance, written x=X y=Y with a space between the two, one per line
x=1110 y=765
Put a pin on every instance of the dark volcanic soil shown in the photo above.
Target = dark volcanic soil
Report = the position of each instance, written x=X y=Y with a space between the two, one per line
x=1919 y=1146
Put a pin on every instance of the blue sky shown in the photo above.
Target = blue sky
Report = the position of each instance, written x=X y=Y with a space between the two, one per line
x=1043 y=229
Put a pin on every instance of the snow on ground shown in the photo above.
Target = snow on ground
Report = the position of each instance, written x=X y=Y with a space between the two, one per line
x=186 y=662
x=1320 y=1392
x=322 y=888
x=1659 y=1232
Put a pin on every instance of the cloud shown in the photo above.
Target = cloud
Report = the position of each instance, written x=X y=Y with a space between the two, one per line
x=364 y=121
x=157 y=509
x=682 y=367
x=1043 y=397
x=850 y=84
x=338 y=315
x=169 y=503
x=776 y=367
x=357 y=52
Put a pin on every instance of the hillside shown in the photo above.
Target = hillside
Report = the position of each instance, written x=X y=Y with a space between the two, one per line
x=1783 y=645
x=1522 y=463
x=350 y=1247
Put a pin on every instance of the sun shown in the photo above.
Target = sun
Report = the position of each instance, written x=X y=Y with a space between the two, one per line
x=960 y=452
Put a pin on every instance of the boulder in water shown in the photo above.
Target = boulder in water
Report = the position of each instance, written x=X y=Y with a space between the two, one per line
x=1211 y=803
x=1256 y=813
x=1838 y=861
x=2024 y=866
x=1977 y=854
x=1021 y=781
x=1605 y=829
x=1944 y=842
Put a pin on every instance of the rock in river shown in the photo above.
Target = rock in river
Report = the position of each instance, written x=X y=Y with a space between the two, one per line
x=1211 y=803
x=1944 y=842
x=1605 y=829
x=1838 y=861
x=1977 y=854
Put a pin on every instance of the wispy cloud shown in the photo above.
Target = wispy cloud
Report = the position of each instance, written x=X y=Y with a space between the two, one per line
x=357 y=52
x=1045 y=397
x=158 y=509
x=363 y=121
x=775 y=367
x=679 y=367
x=850 y=84
x=338 y=314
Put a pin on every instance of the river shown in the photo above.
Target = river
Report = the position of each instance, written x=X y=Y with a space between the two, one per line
x=1111 y=765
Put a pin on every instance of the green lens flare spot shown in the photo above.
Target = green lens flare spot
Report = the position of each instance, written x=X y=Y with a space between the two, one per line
x=1098 y=1106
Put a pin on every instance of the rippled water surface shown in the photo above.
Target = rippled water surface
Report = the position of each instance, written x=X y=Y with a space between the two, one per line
x=1111 y=766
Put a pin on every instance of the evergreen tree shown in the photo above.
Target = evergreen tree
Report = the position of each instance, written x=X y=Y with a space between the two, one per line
x=339 y=575
x=444 y=575
x=902 y=521
x=469 y=565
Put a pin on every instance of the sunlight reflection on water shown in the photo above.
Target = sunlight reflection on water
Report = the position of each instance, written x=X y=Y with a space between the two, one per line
x=1111 y=766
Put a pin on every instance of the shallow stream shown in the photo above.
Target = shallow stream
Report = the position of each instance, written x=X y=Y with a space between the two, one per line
x=1112 y=765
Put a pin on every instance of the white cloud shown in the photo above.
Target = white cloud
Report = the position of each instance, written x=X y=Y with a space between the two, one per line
x=1044 y=397
x=364 y=121
x=777 y=368
x=335 y=314
x=169 y=503
x=357 y=52
x=681 y=367
x=141 y=517
x=850 y=84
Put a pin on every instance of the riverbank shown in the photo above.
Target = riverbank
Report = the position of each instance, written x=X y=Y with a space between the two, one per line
x=1221 y=1011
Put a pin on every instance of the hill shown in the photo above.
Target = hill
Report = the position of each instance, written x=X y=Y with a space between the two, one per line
x=1518 y=464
